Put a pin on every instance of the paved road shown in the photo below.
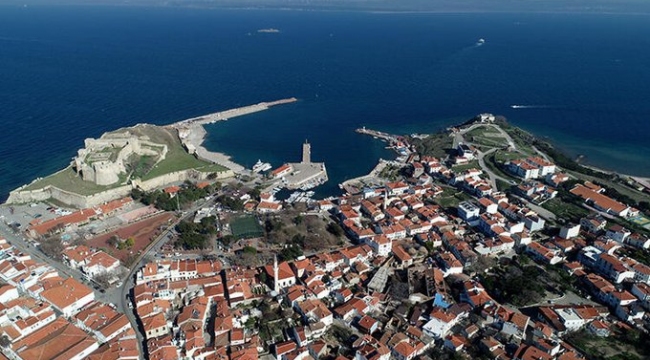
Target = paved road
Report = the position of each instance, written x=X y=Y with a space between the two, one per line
x=538 y=209
x=19 y=242
x=488 y=171
x=149 y=253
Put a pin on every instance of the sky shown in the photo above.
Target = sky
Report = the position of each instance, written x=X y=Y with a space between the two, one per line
x=583 y=6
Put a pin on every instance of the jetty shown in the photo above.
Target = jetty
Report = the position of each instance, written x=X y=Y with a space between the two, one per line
x=192 y=133
x=377 y=134
x=227 y=114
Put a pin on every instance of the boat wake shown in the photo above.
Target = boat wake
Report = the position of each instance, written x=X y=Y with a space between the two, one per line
x=530 y=106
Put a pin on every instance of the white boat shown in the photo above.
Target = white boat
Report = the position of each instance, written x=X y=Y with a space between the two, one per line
x=480 y=42
x=260 y=166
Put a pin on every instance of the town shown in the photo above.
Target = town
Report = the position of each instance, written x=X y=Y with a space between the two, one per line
x=476 y=242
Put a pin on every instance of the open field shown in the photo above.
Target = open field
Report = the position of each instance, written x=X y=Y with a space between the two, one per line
x=142 y=232
x=470 y=165
x=435 y=145
x=246 y=227
x=565 y=209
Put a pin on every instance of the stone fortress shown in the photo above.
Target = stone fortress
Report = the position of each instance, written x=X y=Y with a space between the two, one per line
x=102 y=160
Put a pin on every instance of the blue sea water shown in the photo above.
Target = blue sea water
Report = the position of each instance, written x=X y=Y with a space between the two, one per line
x=71 y=72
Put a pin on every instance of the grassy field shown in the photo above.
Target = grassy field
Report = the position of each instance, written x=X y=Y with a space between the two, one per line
x=451 y=197
x=565 y=210
x=435 y=145
x=67 y=179
x=618 y=346
x=491 y=162
x=486 y=136
x=246 y=227
x=471 y=165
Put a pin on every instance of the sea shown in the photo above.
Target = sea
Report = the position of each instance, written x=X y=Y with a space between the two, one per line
x=67 y=73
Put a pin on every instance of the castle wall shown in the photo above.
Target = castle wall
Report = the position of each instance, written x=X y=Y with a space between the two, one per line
x=80 y=201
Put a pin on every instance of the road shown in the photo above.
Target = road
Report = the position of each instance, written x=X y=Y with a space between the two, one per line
x=546 y=214
x=19 y=242
x=488 y=171
x=129 y=281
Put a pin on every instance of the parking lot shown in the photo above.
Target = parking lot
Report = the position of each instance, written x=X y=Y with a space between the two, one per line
x=24 y=214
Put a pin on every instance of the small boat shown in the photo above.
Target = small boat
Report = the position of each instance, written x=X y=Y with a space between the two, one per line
x=480 y=42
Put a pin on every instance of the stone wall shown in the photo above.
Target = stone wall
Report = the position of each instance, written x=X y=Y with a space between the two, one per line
x=19 y=196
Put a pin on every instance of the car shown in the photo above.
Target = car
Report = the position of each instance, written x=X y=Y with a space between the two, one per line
x=102 y=291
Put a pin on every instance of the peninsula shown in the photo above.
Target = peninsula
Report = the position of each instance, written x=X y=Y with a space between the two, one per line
x=144 y=156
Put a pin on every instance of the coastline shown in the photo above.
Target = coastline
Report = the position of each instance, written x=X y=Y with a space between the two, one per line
x=196 y=136
x=192 y=132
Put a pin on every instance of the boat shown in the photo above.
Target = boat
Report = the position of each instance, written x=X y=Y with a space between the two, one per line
x=260 y=166
x=480 y=42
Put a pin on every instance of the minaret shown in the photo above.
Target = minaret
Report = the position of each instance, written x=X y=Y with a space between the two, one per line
x=306 y=152
x=385 y=199
x=276 y=283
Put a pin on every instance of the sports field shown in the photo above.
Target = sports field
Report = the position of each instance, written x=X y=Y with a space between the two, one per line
x=641 y=221
x=246 y=227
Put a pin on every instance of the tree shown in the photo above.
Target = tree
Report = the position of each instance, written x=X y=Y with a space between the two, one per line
x=249 y=250
x=53 y=248
x=334 y=229
x=5 y=341
x=103 y=279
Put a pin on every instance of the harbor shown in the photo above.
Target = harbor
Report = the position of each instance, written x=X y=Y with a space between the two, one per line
x=192 y=133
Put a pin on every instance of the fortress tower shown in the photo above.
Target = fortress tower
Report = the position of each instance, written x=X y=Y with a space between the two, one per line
x=306 y=153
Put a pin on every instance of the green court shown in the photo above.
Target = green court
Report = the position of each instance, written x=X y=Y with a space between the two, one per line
x=640 y=220
x=246 y=227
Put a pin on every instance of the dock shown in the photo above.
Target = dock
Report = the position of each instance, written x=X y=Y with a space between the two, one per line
x=228 y=114
x=192 y=133
x=377 y=134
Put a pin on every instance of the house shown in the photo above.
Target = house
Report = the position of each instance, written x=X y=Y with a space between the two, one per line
x=100 y=263
x=315 y=311
x=593 y=223
x=613 y=268
x=599 y=328
x=468 y=211
x=475 y=295
x=67 y=296
x=367 y=325
x=544 y=254
x=638 y=241
x=449 y=264
x=592 y=196
x=283 y=170
x=440 y=323
x=57 y=340
x=155 y=326
x=381 y=245
x=76 y=256
x=372 y=349
x=618 y=233
x=570 y=231
x=403 y=258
